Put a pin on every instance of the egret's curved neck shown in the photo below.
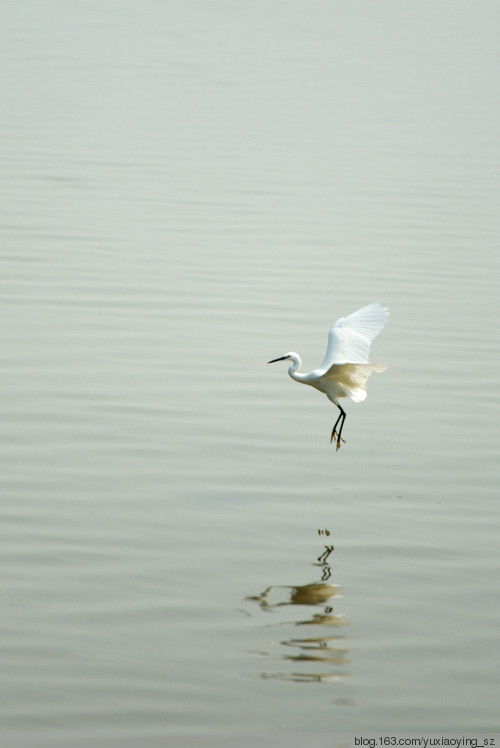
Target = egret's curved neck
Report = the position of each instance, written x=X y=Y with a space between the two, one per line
x=292 y=371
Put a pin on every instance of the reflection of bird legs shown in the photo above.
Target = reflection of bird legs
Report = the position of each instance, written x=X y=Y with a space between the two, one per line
x=326 y=573
x=334 y=430
x=325 y=554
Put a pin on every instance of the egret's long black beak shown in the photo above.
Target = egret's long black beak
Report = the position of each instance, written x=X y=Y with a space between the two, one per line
x=281 y=358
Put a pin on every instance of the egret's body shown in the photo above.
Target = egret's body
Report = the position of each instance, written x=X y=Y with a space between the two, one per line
x=345 y=368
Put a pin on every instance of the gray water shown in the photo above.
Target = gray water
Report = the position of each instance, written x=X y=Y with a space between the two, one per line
x=189 y=190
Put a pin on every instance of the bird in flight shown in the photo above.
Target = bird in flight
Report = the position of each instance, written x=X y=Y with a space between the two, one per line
x=345 y=369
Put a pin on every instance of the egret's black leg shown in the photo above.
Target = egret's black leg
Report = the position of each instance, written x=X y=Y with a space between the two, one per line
x=340 y=419
x=339 y=438
x=334 y=430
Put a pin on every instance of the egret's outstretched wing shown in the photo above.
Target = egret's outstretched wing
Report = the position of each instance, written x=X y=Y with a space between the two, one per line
x=350 y=338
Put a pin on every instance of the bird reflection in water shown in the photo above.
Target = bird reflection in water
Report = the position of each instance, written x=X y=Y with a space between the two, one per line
x=327 y=652
x=316 y=593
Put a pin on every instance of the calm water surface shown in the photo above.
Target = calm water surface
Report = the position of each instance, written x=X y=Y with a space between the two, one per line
x=189 y=191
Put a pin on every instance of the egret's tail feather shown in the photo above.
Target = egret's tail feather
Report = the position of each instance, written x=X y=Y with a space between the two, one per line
x=358 y=395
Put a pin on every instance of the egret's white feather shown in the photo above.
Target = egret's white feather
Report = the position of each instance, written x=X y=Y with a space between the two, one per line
x=350 y=338
x=349 y=380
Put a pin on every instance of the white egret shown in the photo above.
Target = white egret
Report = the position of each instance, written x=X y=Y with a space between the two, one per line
x=345 y=368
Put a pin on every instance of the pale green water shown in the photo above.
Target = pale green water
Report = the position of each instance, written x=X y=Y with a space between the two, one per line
x=190 y=190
